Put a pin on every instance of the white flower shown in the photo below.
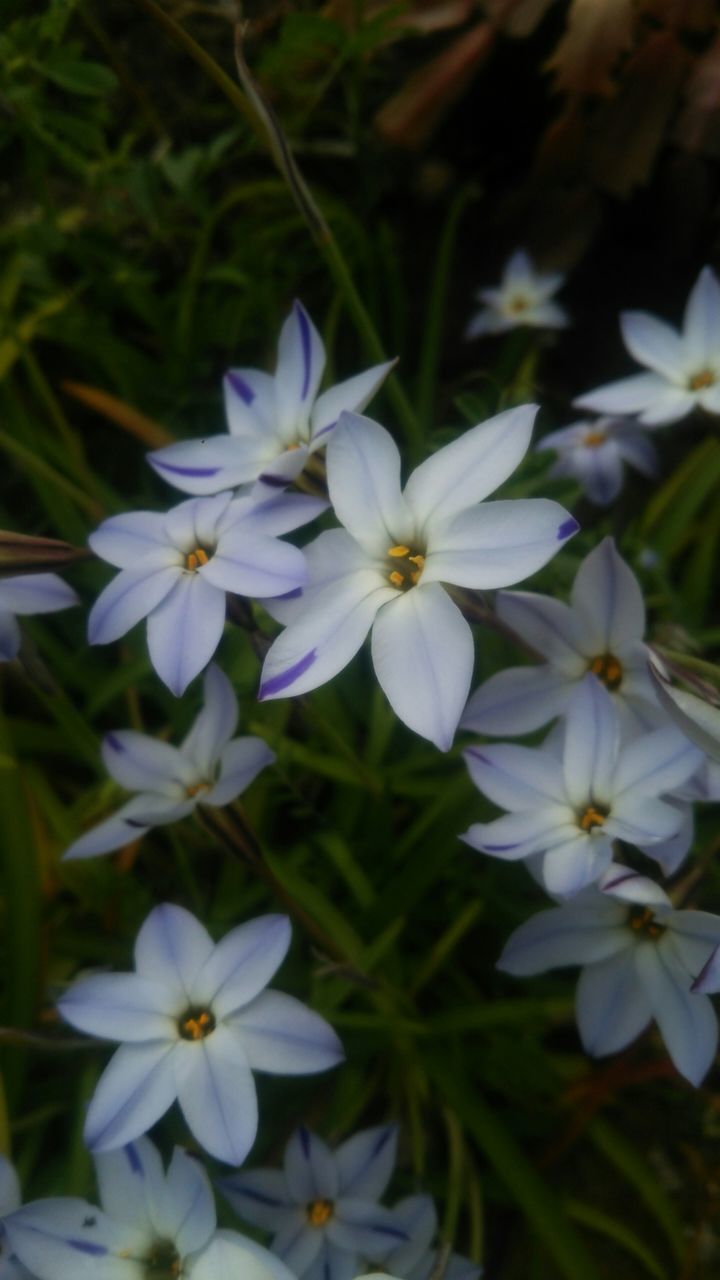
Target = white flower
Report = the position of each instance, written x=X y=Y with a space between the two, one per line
x=151 y=1223
x=572 y=810
x=209 y=767
x=639 y=959
x=322 y=1208
x=386 y=568
x=595 y=454
x=26 y=594
x=10 y=1266
x=177 y=569
x=698 y=719
x=194 y=1022
x=275 y=422
x=600 y=631
x=685 y=367
x=522 y=298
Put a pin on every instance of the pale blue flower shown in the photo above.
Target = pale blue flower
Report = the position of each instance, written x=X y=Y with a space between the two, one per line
x=210 y=767
x=176 y=570
x=322 y=1208
x=387 y=568
x=601 y=631
x=194 y=1022
x=522 y=299
x=275 y=422
x=639 y=957
x=25 y=595
x=571 y=810
x=10 y=1266
x=685 y=367
x=417 y=1257
x=596 y=453
x=151 y=1223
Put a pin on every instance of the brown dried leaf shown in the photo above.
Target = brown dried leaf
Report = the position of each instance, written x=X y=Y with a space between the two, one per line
x=698 y=128
x=597 y=33
x=123 y=415
x=24 y=553
x=410 y=117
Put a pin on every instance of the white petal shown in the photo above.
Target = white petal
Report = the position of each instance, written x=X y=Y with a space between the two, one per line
x=671 y=406
x=611 y=1004
x=694 y=937
x=121 y=829
x=422 y=651
x=135 y=1089
x=172 y=947
x=349 y=396
x=629 y=395
x=701 y=323
x=132 y=595
x=366 y=1161
x=572 y=866
x=698 y=719
x=608 y=602
x=300 y=365
x=642 y=819
x=250 y=564
x=195 y=522
x=240 y=763
x=364 y=1227
x=217 y=1095
x=545 y=624
x=672 y=852
x=250 y=404
x=242 y=964
x=363 y=475
x=599 y=470
x=466 y=471
x=131 y=1182
x=686 y=1021
x=230 y=1256
x=517 y=700
x=653 y=343
x=325 y=636
x=215 y=725
x=31 y=593
x=582 y=932
x=310 y=1168
x=516 y=777
x=207 y=466
x=629 y=886
x=67 y=1239
x=283 y=1037
x=519 y=835
x=120 y=1006
x=498 y=543
x=126 y=539
x=188 y=1217
x=657 y=762
x=140 y=763
x=592 y=742
x=184 y=631
x=638 y=451
x=274 y=512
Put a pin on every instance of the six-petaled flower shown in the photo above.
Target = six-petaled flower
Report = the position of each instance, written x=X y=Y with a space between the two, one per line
x=524 y=297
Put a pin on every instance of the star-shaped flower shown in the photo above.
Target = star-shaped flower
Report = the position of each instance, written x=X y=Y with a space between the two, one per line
x=275 y=422
x=387 y=568
x=194 y=1022
x=151 y=1223
x=209 y=767
x=600 y=631
x=685 y=367
x=323 y=1207
x=571 y=810
x=639 y=957
x=26 y=594
x=176 y=570
x=595 y=454
x=523 y=298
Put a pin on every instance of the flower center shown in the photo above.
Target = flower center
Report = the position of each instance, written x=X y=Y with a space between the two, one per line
x=703 y=378
x=195 y=789
x=163 y=1262
x=518 y=304
x=196 y=1024
x=195 y=559
x=643 y=922
x=594 y=816
x=608 y=670
x=594 y=439
x=406 y=566
x=319 y=1212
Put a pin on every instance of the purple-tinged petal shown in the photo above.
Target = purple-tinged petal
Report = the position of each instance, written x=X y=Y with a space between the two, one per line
x=9 y=636
x=68 y=1239
x=120 y=1006
x=231 y=1256
x=517 y=700
x=310 y=1167
x=249 y=396
x=584 y=931
x=126 y=540
x=363 y=474
x=172 y=947
x=283 y=1037
x=611 y=1004
x=351 y=396
x=547 y=625
x=132 y=595
x=498 y=543
x=184 y=631
x=519 y=835
x=250 y=564
x=300 y=365
x=131 y=1182
x=259 y=1196
x=140 y=763
x=134 y=1091
x=576 y=863
x=242 y=964
x=241 y=762
x=657 y=762
x=366 y=1161
x=608 y=602
x=298 y=1244
x=205 y=467
x=216 y=1092
x=516 y=778
x=188 y=1215
x=361 y=1226
x=686 y=1020
x=592 y=742
x=215 y=725
x=33 y=593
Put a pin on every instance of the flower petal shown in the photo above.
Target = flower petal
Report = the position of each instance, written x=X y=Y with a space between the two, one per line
x=464 y=472
x=258 y=1196
x=637 y=450
x=126 y=539
x=687 y=1021
x=516 y=777
x=517 y=700
x=120 y=1006
x=131 y=1182
x=585 y=931
x=611 y=1004
x=188 y=1215
x=701 y=322
x=671 y=406
x=31 y=593
x=283 y=1037
x=364 y=1227
x=10 y=1196
x=418 y=1218
x=184 y=631
x=628 y=395
x=547 y=625
x=311 y=1170
x=67 y=1239
x=608 y=602
x=349 y=396
x=250 y=564
x=135 y=1089
x=216 y=723
x=172 y=947
x=216 y=1092
x=592 y=742
x=240 y=763
x=498 y=543
x=132 y=595
x=654 y=344
x=422 y=651
x=656 y=762
x=232 y=1256
x=242 y=964
x=298 y=1244
x=576 y=863
x=205 y=467
x=140 y=763
x=366 y=1161
x=249 y=396
x=300 y=365
x=363 y=475
x=642 y=819
x=519 y=835
x=9 y=636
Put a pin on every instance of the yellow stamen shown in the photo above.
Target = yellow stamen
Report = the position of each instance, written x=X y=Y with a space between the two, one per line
x=396 y=578
x=407 y=574
x=195 y=558
x=592 y=818
x=319 y=1212
x=642 y=920
x=518 y=304
x=704 y=378
x=195 y=789
x=197 y=1024
x=608 y=669
x=594 y=439
x=399 y=552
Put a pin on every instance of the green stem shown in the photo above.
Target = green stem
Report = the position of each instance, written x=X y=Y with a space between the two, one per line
x=435 y=315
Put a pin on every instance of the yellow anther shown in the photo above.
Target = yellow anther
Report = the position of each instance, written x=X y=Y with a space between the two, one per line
x=608 y=669
x=408 y=574
x=518 y=304
x=642 y=920
x=594 y=439
x=196 y=1024
x=319 y=1212
x=396 y=578
x=195 y=789
x=195 y=558
x=704 y=378
x=592 y=818
x=399 y=552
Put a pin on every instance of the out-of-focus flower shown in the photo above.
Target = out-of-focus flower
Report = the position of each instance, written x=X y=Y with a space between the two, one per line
x=275 y=422
x=698 y=719
x=209 y=767
x=685 y=367
x=176 y=570
x=152 y=1223
x=194 y=1022
x=416 y=1258
x=600 y=631
x=28 y=594
x=10 y=1266
x=323 y=1207
x=595 y=454
x=639 y=959
x=572 y=809
x=387 y=567
x=523 y=297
